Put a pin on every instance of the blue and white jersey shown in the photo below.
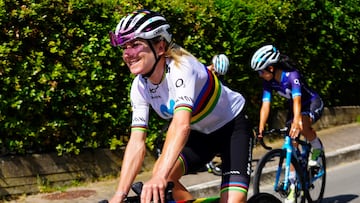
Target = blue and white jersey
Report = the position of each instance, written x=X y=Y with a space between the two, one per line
x=290 y=86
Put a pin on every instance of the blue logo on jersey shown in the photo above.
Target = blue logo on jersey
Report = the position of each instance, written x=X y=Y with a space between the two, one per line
x=168 y=112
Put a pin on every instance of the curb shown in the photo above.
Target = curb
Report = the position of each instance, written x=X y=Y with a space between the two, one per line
x=206 y=189
x=346 y=154
x=334 y=158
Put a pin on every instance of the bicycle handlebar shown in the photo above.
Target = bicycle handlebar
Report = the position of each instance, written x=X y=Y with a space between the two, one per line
x=137 y=188
x=276 y=131
x=279 y=131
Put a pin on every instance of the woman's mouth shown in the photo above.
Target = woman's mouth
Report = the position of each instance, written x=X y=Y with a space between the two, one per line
x=133 y=61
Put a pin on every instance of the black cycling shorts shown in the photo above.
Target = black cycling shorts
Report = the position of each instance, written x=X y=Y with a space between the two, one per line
x=234 y=144
x=313 y=109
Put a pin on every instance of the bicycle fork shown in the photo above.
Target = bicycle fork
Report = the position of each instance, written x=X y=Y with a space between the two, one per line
x=283 y=188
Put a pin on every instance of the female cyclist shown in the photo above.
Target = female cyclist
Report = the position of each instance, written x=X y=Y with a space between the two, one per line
x=207 y=117
x=306 y=106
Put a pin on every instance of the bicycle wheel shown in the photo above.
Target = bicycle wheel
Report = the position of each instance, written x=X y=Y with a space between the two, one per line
x=317 y=179
x=263 y=198
x=265 y=176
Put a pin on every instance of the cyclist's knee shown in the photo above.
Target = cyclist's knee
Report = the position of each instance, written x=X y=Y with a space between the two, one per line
x=180 y=192
x=234 y=185
x=309 y=133
x=233 y=196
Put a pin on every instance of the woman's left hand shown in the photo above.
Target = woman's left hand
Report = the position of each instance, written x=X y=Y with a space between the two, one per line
x=153 y=191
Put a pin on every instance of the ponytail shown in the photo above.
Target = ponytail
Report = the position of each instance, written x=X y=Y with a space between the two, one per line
x=285 y=63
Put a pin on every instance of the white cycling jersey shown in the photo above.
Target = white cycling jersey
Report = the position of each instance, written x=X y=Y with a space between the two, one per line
x=190 y=86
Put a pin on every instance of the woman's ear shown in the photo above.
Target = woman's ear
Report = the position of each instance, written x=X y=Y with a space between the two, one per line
x=271 y=69
x=162 y=47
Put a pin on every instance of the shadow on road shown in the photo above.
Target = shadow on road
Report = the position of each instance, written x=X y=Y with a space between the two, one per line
x=340 y=198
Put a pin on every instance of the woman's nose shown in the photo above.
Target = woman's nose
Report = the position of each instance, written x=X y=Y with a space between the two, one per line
x=128 y=52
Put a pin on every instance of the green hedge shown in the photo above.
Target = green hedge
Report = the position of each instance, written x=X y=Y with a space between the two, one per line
x=64 y=88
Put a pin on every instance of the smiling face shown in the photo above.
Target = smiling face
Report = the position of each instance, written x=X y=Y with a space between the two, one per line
x=138 y=56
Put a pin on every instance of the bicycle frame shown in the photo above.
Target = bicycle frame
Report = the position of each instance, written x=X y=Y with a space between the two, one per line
x=199 y=200
x=302 y=160
x=306 y=148
x=290 y=156
x=136 y=199
x=288 y=147
x=292 y=151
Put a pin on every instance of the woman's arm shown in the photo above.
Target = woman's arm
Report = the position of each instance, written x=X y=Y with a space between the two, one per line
x=264 y=114
x=176 y=138
x=131 y=165
x=296 y=125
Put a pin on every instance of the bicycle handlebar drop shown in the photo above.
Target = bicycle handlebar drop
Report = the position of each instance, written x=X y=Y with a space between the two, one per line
x=275 y=131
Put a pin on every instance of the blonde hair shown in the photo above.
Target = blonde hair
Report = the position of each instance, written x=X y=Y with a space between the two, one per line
x=175 y=52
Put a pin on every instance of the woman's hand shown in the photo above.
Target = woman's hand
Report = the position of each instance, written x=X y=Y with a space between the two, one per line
x=259 y=133
x=296 y=125
x=154 y=190
x=296 y=128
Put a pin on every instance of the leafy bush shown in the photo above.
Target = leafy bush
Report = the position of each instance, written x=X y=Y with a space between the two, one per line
x=60 y=83
x=64 y=88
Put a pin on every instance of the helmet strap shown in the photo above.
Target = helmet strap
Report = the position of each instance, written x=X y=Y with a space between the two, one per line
x=157 y=59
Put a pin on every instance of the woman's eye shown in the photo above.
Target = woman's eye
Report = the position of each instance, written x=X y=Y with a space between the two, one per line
x=131 y=45
x=136 y=44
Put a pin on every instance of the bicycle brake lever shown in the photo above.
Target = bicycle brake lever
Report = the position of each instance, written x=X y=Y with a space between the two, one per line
x=168 y=191
x=137 y=187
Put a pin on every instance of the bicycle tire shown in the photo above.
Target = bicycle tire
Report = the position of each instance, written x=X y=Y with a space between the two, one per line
x=263 y=198
x=266 y=171
x=317 y=187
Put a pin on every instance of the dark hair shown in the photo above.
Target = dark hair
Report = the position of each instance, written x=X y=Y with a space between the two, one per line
x=285 y=63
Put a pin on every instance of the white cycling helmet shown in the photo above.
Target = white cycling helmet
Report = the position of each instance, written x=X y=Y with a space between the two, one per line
x=221 y=64
x=144 y=24
x=264 y=56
